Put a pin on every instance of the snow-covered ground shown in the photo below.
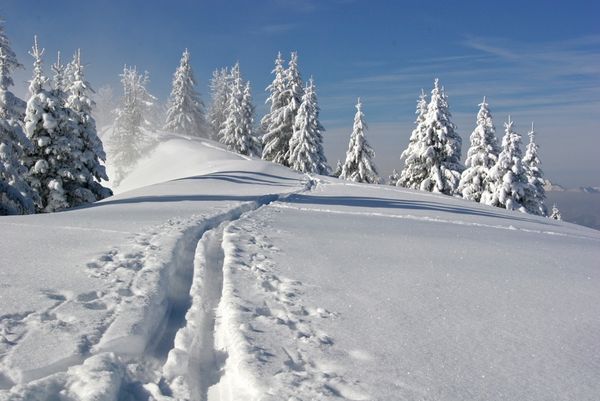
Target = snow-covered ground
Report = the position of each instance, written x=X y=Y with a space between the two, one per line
x=224 y=278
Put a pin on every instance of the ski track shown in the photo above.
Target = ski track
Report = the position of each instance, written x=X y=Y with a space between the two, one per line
x=120 y=350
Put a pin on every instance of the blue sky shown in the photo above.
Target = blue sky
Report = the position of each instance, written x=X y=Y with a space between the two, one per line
x=535 y=60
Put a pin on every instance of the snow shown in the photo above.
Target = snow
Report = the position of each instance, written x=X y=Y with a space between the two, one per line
x=215 y=276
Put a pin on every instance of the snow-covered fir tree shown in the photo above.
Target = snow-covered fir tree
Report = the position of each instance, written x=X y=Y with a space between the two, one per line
x=219 y=89
x=13 y=106
x=338 y=169
x=274 y=147
x=128 y=142
x=88 y=151
x=16 y=197
x=393 y=178
x=414 y=171
x=359 y=165
x=535 y=195
x=508 y=179
x=59 y=84
x=185 y=114
x=434 y=161
x=285 y=97
x=555 y=215
x=47 y=125
x=481 y=156
x=306 y=144
x=237 y=132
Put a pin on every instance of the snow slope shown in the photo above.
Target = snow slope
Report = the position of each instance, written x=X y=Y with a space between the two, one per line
x=239 y=279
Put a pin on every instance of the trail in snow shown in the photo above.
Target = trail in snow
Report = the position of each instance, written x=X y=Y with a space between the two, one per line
x=194 y=365
x=135 y=315
x=162 y=284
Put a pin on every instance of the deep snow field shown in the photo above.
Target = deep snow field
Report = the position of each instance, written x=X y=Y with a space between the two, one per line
x=211 y=276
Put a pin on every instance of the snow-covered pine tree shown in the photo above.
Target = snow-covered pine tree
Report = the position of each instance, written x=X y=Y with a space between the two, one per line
x=535 y=195
x=436 y=160
x=359 y=166
x=219 y=88
x=89 y=151
x=69 y=72
x=249 y=143
x=272 y=122
x=238 y=130
x=59 y=87
x=48 y=127
x=481 y=156
x=338 y=169
x=393 y=178
x=414 y=171
x=13 y=106
x=306 y=144
x=127 y=141
x=508 y=180
x=185 y=114
x=555 y=213
x=286 y=93
x=16 y=197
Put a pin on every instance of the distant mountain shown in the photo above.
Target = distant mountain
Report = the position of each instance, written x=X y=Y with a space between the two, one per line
x=551 y=187
x=590 y=190
x=579 y=205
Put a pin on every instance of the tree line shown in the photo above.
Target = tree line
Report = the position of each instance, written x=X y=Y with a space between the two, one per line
x=52 y=157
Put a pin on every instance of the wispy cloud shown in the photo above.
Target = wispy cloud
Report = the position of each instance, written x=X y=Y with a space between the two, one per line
x=517 y=74
x=556 y=84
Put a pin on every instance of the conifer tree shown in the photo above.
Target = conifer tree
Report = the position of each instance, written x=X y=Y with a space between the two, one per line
x=535 y=194
x=555 y=213
x=508 y=180
x=414 y=171
x=393 y=178
x=86 y=145
x=359 y=166
x=16 y=197
x=286 y=93
x=272 y=122
x=238 y=130
x=219 y=86
x=436 y=160
x=481 y=156
x=338 y=169
x=306 y=144
x=185 y=114
x=128 y=142
x=14 y=106
x=59 y=87
x=50 y=161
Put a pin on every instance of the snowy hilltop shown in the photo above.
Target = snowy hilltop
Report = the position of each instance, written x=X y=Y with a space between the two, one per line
x=217 y=276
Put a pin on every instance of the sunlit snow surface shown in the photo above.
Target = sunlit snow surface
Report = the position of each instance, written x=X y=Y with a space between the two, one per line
x=241 y=280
